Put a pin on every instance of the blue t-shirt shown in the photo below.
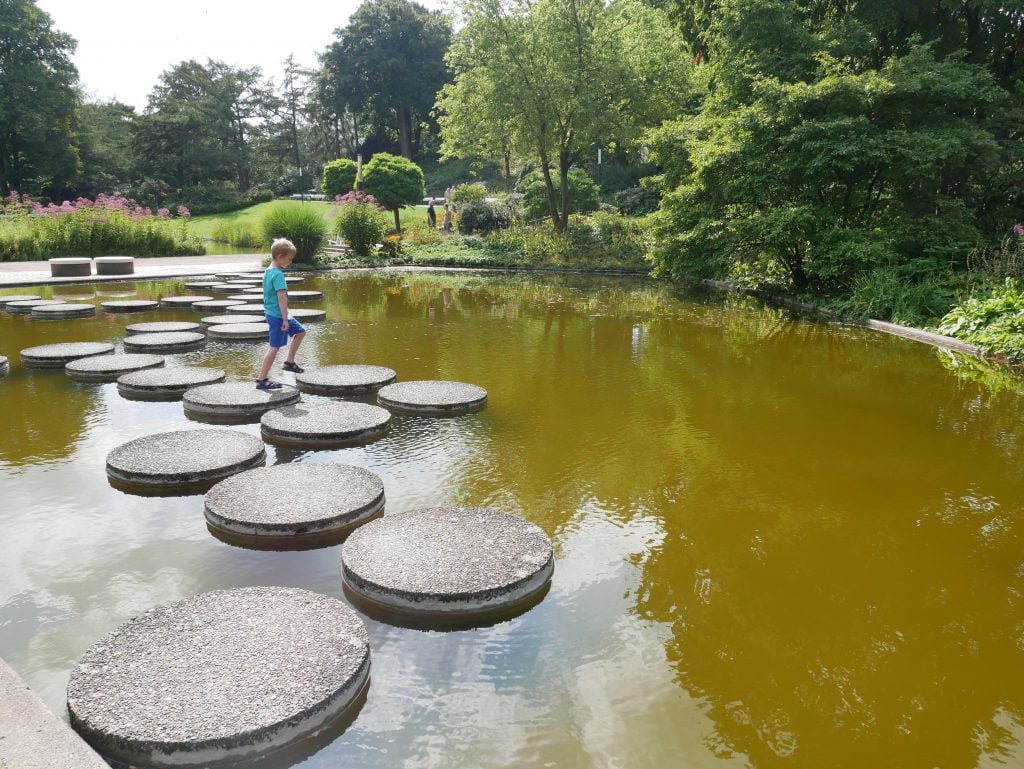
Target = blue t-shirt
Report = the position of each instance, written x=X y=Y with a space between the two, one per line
x=273 y=281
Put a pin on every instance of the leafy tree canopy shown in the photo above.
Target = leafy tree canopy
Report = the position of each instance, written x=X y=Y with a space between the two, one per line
x=394 y=181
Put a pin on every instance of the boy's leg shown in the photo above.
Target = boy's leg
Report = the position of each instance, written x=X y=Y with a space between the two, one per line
x=268 y=361
x=292 y=348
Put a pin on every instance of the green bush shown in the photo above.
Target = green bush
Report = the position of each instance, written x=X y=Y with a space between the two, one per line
x=339 y=177
x=465 y=193
x=241 y=234
x=635 y=201
x=994 y=323
x=394 y=181
x=582 y=193
x=302 y=225
x=361 y=222
x=481 y=216
x=902 y=295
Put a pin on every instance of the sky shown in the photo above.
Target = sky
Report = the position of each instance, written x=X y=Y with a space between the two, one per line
x=123 y=47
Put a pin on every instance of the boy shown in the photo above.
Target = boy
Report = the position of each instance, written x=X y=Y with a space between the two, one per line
x=275 y=307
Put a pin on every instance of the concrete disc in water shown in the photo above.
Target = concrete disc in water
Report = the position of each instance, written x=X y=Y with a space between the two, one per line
x=130 y=305
x=240 y=331
x=57 y=355
x=344 y=380
x=169 y=342
x=107 y=368
x=160 y=327
x=325 y=424
x=166 y=384
x=235 y=400
x=63 y=311
x=436 y=397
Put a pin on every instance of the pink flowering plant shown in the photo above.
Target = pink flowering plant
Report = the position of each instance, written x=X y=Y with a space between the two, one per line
x=360 y=221
x=110 y=224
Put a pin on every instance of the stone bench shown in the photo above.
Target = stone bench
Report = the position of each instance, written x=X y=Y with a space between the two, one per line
x=70 y=267
x=115 y=265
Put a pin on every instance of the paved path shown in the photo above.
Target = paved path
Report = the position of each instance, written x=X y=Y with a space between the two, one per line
x=146 y=268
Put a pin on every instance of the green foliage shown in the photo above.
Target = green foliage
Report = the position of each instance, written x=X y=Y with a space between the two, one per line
x=362 y=225
x=582 y=194
x=481 y=216
x=464 y=193
x=636 y=201
x=899 y=295
x=995 y=323
x=302 y=225
x=339 y=177
x=394 y=182
x=216 y=197
x=240 y=234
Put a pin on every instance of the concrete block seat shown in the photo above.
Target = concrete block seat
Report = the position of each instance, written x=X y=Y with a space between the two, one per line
x=115 y=265
x=70 y=267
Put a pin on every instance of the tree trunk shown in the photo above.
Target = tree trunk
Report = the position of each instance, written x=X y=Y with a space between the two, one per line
x=398 y=223
x=549 y=186
x=563 y=174
x=405 y=131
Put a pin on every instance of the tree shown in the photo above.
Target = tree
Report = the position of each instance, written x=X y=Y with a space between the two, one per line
x=107 y=149
x=390 y=54
x=339 y=177
x=394 y=181
x=38 y=102
x=547 y=80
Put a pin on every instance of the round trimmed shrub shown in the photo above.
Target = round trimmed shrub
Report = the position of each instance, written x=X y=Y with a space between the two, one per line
x=480 y=216
x=339 y=177
x=465 y=193
x=302 y=224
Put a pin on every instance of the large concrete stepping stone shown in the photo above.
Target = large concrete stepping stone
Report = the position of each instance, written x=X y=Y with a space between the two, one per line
x=227 y=675
x=161 y=327
x=246 y=282
x=4 y=299
x=447 y=564
x=58 y=355
x=434 y=397
x=305 y=296
x=182 y=461
x=183 y=301
x=289 y=279
x=307 y=316
x=344 y=380
x=244 y=298
x=245 y=332
x=215 y=304
x=26 y=307
x=245 y=309
x=130 y=305
x=325 y=425
x=220 y=320
x=107 y=368
x=226 y=288
x=63 y=311
x=166 y=384
x=166 y=342
x=5 y=365
x=293 y=506
x=253 y=290
x=235 y=401
x=202 y=285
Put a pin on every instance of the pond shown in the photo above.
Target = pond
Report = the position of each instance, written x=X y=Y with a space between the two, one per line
x=778 y=543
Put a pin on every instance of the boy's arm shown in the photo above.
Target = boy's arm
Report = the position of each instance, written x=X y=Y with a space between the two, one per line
x=282 y=302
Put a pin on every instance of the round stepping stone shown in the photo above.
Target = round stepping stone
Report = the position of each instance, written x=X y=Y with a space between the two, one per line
x=182 y=460
x=232 y=275
x=225 y=288
x=325 y=424
x=220 y=320
x=215 y=304
x=166 y=342
x=245 y=282
x=344 y=380
x=5 y=365
x=221 y=676
x=305 y=296
x=58 y=355
x=63 y=311
x=202 y=284
x=243 y=298
x=18 y=298
x=254 y=290
x=293 y=279
x=26 y=307
x=183 y=301
x=166 y=384
x=447 y=563
x=246 y=309
x=107 y=368
x=235 y=401
x=161 y=327
x=295 y=505
x=432 y=397
x=240 y=331
x=130 y=305
x=307 y=316
x=71 y=296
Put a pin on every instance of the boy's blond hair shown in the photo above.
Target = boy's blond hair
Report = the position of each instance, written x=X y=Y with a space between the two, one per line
x=281 y=247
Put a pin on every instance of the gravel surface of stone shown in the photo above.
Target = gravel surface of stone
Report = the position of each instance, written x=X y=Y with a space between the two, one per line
x=215 y=304
x=170 y=341
x=107 y=368
x=244 y=298
x=432 y=397
x=183 y=457
x=253 y=290
x=221 y=675
x=298 y=498
x=63 y=311
x=344 y=380
x=225 y=288
x=289 y=279
x=4 y=299
x=447 y=559
x=167 y=383
x=183 y=301
x=57 y=355
x=202 y=284
x=305 y=296
x=246 y=309
x=242 y=331
x=26 y=307
x=130 y=305
x=307 y=316
x=160 y=327
x=312 y=424
x=220 y=320
x=237 y=399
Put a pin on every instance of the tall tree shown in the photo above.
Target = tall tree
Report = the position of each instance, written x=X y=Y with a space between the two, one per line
x=548 y=80
x=38 y=102
x=107 y=149
x=391 y=53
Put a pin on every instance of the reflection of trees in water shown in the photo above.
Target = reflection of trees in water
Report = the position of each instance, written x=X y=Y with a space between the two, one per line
x=45 y=415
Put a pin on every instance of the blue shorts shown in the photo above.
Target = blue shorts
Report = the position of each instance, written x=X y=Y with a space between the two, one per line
x=279 y=338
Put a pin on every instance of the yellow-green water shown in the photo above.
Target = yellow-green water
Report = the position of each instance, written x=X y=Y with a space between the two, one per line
x=778 y=543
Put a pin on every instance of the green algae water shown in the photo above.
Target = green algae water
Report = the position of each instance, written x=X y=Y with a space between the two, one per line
x=779 y=544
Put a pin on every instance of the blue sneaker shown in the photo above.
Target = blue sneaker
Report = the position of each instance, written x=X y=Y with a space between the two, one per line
x=267 y=384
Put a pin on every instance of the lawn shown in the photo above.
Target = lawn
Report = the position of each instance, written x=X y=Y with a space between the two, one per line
x=204 y=226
